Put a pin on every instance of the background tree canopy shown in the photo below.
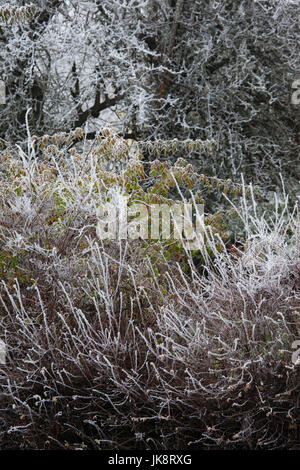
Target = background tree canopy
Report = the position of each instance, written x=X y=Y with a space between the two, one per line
x=162 y=70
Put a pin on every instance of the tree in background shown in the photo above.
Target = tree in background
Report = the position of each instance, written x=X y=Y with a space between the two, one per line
x=162 y=70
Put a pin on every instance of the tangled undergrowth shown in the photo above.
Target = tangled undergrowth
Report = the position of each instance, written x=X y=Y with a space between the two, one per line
x=124 y=344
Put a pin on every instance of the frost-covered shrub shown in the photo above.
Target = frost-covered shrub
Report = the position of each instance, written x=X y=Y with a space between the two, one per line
x=110 y=346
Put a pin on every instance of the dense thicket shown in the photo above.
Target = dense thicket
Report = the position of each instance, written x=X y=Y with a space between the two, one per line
x=131 y=344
